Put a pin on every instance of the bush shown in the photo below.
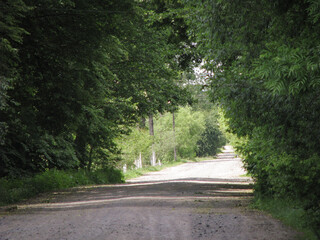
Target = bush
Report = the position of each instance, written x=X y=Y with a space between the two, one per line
x=51 y=180
x=188 y=128
x=282 y=175
x=211 y=140
x=11 y=191
x=138 y=141
x=291 y=212
x=106 y=175
x=14 y=190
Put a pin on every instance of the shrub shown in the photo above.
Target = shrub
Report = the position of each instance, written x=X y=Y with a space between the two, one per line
x=211 y=140
x=284 y=174
x=14 y=190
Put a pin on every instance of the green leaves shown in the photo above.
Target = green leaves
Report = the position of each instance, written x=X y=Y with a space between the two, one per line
x=77 y=74
x=11 y=35
x=264 y=56
x=288 y=70
x=314 y=10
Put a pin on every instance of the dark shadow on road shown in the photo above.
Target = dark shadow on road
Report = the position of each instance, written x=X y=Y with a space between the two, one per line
x=174 y=190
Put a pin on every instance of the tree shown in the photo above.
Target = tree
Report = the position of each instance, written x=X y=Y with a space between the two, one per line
x=83 y=74
x=11 y=37
x=212 y=139
x=264 y=58
x=64 y=81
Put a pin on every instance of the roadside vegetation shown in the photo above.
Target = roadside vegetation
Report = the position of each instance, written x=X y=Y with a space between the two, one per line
x=76 y=76
x=133 y=173
x=262 y=60
x=16 y=190
x=290 y=212
x=93 y=85
x=196 y=134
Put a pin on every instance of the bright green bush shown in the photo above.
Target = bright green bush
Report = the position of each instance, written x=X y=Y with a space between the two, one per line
x=51 y=180
x=165 y=140
x=188 y=128
x=138 y=141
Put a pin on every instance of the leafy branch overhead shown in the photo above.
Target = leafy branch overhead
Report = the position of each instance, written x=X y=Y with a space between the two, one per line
x=74 y=76
x=264 y=56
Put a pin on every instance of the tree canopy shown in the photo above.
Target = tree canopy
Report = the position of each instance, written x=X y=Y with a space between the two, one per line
x=74 y=75
x=263 y=57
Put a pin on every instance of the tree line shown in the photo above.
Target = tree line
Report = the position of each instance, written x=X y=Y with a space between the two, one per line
x=75 y=74
x=263 y=58
x=196 y=133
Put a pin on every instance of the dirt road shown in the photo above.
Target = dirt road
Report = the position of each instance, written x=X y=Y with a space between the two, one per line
x=203 y=200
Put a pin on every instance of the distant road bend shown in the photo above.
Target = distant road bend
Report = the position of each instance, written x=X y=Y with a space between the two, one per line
x=198 y=200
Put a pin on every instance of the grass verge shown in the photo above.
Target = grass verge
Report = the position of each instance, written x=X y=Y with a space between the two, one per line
x=246 y=175
x=15 y=190
x=289 y=212
x=133 y=173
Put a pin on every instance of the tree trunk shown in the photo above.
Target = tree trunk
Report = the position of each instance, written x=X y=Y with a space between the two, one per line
x=80 y=146
x=151 y=130
x=90 y=159
x=142 y=123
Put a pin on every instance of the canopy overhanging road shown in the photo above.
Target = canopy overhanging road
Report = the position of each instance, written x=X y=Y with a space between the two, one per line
x=198 y=200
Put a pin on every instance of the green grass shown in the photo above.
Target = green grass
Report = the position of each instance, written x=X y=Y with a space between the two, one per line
x=15 y=190
x=199 y=159
x=246 y=175
x=133 y=173
x=289 y=212
x=139 y=172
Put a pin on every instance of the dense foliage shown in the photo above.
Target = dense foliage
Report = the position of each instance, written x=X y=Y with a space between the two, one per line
x=15 y=190
x=196 y=134
x=75 y=74
x=263 y=57
x=211 y=139
x=188 y=128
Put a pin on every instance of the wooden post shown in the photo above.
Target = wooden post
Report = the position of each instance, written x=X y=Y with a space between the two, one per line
x=153 y=159
x=174 y=137
x=140 y=160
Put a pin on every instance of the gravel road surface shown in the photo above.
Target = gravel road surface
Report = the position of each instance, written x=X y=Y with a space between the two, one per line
x=201 y=200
